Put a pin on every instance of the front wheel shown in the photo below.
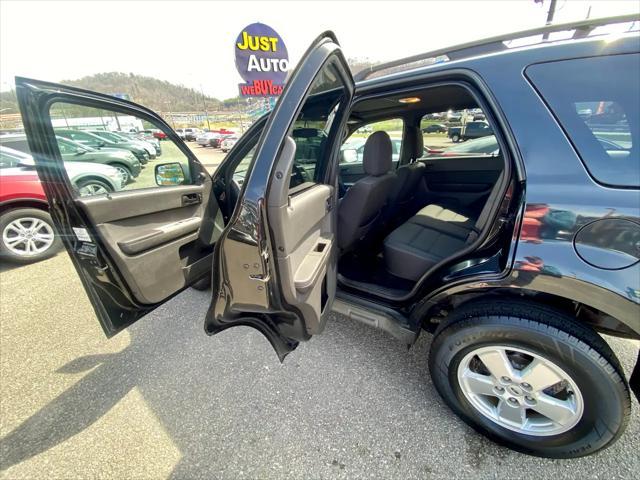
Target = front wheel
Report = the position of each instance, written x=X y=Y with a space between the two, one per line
x=89 y=187
x=124 y=171
x=531 y=378
x=455 y=138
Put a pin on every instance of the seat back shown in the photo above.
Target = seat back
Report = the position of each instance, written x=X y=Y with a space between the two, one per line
x=408 y=177
x=360 y=209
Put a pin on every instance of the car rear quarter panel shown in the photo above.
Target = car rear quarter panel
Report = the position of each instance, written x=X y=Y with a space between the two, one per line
x=560 y=196
x=20 y=187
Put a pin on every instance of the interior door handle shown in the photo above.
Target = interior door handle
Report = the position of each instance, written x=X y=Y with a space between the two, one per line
x=191 y=199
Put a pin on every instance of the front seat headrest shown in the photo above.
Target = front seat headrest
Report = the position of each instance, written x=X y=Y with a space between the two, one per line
x=376 y=159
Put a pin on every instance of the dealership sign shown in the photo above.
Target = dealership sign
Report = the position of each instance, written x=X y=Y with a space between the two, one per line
x=262 y=61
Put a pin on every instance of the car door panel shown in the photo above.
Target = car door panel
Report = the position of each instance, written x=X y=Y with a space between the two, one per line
x=303 y=226
x=275 y=264
x=157 y=243
x=461 y=181
x=132 y=249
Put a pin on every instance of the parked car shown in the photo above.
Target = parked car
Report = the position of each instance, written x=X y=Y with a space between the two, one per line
x=479 y=146
x=190 y=134
x=155 y=133
x=122 y=160
x=435 y=128
x=228 y=143
x=97 y=142
x=208 y=139
x=517 y=263
x=180 y=132
x=126 y=142
x=147 y=138
x=27 y=233
x=470 y=130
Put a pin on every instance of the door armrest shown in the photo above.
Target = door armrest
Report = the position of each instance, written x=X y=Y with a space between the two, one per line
x=313 y=264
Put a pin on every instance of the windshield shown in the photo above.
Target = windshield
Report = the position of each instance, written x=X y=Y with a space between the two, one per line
x=8 y=160
x=110 y=136
x=69 y=146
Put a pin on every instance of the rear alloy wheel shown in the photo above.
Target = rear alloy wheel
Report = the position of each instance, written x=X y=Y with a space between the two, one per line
x=89 y=187
x=27 y=235
x=530 y=377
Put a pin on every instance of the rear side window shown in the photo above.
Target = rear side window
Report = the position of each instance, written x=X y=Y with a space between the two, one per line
x=597 y=102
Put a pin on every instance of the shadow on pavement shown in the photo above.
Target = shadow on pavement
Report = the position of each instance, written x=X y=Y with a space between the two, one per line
x=218 y=395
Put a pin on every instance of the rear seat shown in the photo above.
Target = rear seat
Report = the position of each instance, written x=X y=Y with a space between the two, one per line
x=434 y=233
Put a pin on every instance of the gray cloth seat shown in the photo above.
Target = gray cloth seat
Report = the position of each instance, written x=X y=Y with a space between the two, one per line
x=408 y=177
x=433 y=234
x=362 y=206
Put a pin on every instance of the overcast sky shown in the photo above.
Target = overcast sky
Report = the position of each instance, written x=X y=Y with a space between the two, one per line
x=192 y=43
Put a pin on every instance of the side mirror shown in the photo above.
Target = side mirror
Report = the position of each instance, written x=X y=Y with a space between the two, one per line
x=169 y=174
x=349 y=155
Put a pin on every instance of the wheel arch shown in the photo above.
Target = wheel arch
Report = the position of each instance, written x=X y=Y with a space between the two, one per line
x=93 y=177
x=437 y=311
x=23 y=203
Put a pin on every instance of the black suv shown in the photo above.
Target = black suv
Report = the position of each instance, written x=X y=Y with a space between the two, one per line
x=516 y=261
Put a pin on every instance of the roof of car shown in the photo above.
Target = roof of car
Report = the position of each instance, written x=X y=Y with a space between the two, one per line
x=523 y=41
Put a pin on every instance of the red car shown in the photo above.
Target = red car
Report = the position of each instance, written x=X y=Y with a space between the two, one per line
x=159 y=134
x=26 y=228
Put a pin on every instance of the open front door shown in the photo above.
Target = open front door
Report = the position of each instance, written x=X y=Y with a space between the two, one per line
x=275 y=264
x=136 y=215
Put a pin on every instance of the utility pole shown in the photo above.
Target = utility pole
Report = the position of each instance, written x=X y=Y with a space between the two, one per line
x=204 y=106
x=550 y=13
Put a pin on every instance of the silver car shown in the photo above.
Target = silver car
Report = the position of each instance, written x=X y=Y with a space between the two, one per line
x=87 y=178
x=204 y=140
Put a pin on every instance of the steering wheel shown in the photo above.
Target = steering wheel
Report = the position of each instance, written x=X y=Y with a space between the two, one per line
x=299 y=174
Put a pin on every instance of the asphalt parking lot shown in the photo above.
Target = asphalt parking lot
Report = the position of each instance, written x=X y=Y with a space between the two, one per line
x=163 y=400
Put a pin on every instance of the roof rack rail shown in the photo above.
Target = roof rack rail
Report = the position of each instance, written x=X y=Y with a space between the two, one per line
x=495 y=44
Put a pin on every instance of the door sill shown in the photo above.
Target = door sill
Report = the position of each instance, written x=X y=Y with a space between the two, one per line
x=385 y=319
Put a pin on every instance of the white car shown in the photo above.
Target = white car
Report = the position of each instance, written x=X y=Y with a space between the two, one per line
x=116 y=137
x=228 y=143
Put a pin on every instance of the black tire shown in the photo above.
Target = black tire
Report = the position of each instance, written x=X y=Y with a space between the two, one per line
x=556 y=337
x=455 y=138
x=126 y=171
x=9 y=254
x=99 y=186
x=202 y=284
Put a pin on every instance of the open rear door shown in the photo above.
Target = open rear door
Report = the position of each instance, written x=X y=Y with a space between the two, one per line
x=275 y=264
x=135 y=215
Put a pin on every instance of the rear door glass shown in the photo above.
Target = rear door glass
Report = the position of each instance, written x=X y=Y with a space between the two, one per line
x=597 y=102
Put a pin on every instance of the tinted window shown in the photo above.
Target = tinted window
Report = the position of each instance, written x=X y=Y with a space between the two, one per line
x=102 y=162
x=313 y=127
x=597 y=102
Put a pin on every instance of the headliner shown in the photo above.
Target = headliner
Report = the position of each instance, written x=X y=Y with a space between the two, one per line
x=434 y=99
